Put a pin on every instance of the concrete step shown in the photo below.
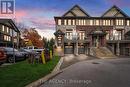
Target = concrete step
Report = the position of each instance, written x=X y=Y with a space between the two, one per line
x=102 y=52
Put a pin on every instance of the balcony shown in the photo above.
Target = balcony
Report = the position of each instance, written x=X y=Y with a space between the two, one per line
x=74 y=40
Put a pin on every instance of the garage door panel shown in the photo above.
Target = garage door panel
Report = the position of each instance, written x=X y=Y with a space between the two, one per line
x=69 y=49
x=81 y=49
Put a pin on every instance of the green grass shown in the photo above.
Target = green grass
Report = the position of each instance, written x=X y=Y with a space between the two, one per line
x=23 y=73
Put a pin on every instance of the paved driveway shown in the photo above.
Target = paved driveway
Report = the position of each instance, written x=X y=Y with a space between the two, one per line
x=94 y=73
x=70 y=59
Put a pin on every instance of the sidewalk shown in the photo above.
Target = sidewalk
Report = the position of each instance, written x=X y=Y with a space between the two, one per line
x=70 y=59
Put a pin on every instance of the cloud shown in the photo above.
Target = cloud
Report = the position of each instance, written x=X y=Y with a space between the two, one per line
x=43 y=23
x=46 y=33
x=121 y=3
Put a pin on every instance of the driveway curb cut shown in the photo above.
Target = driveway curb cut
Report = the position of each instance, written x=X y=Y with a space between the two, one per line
x=55 y=72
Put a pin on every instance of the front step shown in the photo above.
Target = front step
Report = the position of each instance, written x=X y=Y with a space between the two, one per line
x=101 y=52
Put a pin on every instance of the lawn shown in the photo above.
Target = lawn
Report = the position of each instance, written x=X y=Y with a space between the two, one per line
x=23 y=73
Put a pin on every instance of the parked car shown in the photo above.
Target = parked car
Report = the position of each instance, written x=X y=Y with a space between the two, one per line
x=2 y=57
x=25 y=52
x=33 y=48
x=13 y=54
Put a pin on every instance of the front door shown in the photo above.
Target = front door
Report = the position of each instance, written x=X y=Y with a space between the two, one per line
x=97 y=41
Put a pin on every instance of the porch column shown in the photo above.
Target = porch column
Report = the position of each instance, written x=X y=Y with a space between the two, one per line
x=86 y=51
x=113 y=48
x=76 y=48
x=117 y=49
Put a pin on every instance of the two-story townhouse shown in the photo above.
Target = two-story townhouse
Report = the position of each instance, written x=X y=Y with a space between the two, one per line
x=77 y=32
x=9 y=33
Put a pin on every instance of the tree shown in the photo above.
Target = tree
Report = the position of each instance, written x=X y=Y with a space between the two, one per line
x=51 y=43
x=33 y=36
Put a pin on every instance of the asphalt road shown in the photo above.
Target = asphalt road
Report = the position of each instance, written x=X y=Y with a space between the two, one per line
x=94 y=73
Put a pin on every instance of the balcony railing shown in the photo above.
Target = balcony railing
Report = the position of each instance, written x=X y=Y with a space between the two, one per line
x=74 y=40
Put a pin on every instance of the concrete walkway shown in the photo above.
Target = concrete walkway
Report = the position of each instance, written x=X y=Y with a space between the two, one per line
x=70 y=59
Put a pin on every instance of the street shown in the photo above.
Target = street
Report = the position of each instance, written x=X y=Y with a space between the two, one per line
x=94 y=73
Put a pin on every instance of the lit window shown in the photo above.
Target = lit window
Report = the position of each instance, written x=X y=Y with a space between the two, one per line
x=59 y=22
x=117 y=35
x=119 y=22
x=69 y=22
x=91 y=22
x=69 y=35
x=128 y=23
x=97 y=22
x=81 y=35
x=7 y=29
x=3 y=28
x=73 y=22
x=5 y=37
x=79 y=22
x=65 y=22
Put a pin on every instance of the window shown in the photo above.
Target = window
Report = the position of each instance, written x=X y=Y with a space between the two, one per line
x=59 y=40
x=65 y=22
x=69 y=22
x=128 y=23
x=119 y=22
x=96 y=22
x=59 y=21
x=5 y=37
x=81 y=35
x=91 y=22
x=3 y=28
x=117 y=35
x=84 y=22
x=106 y=22
x=69 y=35
x=73 y=22
x=79 y=22
x=7 y=29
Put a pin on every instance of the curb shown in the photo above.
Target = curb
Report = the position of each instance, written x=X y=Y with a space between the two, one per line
x=57 y=68
x=42 y=80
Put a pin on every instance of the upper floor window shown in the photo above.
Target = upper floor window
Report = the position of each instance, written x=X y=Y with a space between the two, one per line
x=96 y=22
x=65 y=22
x=128 y=22
x=7 y=29
x=73 y=22
x=59 y=21
x=69 y=22
x=106 y=22
x=119 y=22
x=91 y=22
x=3 y=28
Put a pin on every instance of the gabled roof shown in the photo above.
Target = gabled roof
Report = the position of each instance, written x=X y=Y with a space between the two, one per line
x=76 y=11
x=9 y=23
x=114 y=11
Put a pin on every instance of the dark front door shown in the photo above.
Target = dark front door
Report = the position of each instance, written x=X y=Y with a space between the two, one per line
x=97 y=41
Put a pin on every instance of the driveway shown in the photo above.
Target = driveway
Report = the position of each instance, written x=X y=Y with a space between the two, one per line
x=94 y=73
x=70 y=59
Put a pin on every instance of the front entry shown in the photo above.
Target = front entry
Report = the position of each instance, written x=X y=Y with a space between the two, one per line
x=97 y=41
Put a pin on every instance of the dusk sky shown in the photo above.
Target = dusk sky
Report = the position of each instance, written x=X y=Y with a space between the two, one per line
x=40 y=13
